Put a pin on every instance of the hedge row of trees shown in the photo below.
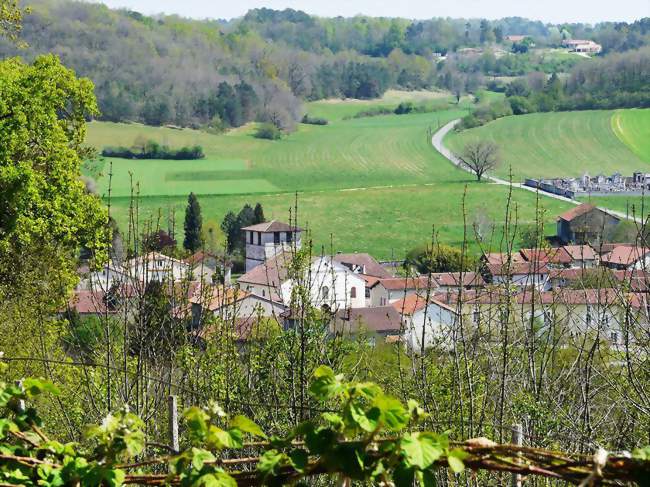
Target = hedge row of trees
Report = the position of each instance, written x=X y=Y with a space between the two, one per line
x=153 y=150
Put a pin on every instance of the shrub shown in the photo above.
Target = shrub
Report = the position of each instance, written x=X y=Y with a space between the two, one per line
x=314 y=120
x=521 y=105
x=404 y=108
x=442 y=258
x=268 y=131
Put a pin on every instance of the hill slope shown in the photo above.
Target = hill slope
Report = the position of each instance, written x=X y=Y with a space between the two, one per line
x=556 y=144
x=633 y=128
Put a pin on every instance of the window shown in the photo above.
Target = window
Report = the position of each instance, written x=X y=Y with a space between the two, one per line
x=367 y=292
x=476 y=317
x=548 y=318
x=263 y=293
x=588 y=317
x=289 y=237
x=353 y=292
x=613 y=336
x=324 y=292
x=250 y=238
x=382 y=302
x=276 y=238
x=259 y=238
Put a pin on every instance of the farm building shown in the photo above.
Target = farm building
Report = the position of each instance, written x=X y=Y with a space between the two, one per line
x=580 y=45
x=584 y=224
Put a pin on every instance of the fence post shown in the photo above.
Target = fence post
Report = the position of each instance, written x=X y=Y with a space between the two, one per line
x=173 y=422
x=518 y=440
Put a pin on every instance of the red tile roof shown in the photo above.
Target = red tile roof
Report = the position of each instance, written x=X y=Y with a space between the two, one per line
x=377 y=319
x=272 y=273
x=577 y=211
x=625 y=255
x=580 y=252
x=518 y=268
x=453 y=279
x=370 y=266
x=400 y=283
x=89 y=302
x=501 y=258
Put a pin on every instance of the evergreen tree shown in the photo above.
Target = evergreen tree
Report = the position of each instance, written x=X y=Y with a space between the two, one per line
x=193 y=224
x=259 y=214
x=229 y=227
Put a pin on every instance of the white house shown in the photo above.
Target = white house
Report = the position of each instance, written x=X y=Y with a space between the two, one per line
x=425 y=323
x=328 y=282
x=386 y=291
x=266 y=240
x=155 y=266
x=520 y=274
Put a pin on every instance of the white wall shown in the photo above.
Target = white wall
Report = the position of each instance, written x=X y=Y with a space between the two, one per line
x=436 y=322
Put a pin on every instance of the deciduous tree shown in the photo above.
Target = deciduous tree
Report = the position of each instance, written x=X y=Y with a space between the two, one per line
x=480 y=157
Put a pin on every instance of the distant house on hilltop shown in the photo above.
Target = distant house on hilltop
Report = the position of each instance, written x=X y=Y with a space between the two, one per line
x=584 y=224
x=580 y=45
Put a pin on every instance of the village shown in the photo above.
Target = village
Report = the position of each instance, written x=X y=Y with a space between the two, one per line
x=550 y=284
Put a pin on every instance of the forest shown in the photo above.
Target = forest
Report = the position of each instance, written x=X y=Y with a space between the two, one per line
x=221 y=74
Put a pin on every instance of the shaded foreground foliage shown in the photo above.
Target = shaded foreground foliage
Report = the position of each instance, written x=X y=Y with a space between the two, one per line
x=369 y=436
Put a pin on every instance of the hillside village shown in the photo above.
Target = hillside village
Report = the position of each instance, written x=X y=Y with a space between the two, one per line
x=550 y=284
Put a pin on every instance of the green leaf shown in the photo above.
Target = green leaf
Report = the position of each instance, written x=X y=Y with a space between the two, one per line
x=199 y=457
x=269 y=462
x=393 y=414
x=244 y=424
x=34 y=387
x=299 y=459
x=358 y=418
x=403 y=475
x=419 y=450
x=428 y=479
x=455 y=460
x=325 y=384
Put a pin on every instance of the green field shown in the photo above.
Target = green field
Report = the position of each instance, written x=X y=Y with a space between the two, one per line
x=633 y=128
x=386 y=222
x=564 y=143
x=637 y=206
x=375 y=183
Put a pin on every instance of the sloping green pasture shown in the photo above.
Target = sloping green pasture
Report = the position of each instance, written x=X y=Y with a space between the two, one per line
x=559 y=144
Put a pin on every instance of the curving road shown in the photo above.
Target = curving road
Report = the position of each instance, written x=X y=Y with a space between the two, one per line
x=437 y=142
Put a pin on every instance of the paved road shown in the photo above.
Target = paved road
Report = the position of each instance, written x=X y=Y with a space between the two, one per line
x=437 y=142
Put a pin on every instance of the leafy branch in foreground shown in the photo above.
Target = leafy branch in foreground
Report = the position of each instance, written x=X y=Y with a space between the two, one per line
x=373 y=437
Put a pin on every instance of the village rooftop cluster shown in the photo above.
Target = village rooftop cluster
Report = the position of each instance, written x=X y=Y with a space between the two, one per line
x=359 y=293
x=637 y=184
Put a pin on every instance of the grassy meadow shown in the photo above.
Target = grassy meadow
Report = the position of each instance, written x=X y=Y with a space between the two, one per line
x=566 y=143
x=370 y=184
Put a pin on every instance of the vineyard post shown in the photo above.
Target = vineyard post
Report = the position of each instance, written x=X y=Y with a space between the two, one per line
x=517 y=439
x=173 y=422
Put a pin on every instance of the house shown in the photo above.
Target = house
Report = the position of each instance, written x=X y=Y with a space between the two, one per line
x=154 y=266
x=231 y=303
x=425 y=322
x=105 y=278
x=90 y=303
x=381 y=321
x=329 y=283
x=515 y=38
x=266 y=240
x=581 y=45
x=520 y=274
x=584 y=224
x=386 y=291
x=203 y=267
x=582 y=256
x=626 y=257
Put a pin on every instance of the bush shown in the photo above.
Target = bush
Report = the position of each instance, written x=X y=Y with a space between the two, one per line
x=521 y=105
x=268 y=131
x=314 y=120
x=404 y=108
x=442 y=258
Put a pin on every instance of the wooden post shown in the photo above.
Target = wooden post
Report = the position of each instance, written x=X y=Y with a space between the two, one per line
x=173 y=422
x=518 y=440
